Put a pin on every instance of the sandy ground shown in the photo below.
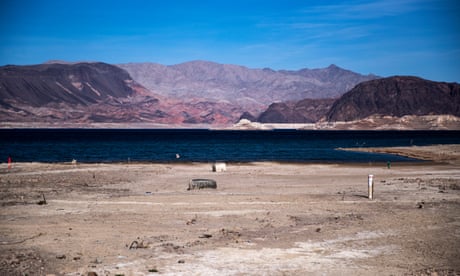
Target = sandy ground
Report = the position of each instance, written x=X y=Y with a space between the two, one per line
x=263 y=219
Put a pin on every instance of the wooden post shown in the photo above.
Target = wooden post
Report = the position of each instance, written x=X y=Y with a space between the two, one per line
x=370 y=186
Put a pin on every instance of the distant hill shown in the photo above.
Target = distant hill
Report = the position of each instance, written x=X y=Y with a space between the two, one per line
x=251 y=89
x=397 y=96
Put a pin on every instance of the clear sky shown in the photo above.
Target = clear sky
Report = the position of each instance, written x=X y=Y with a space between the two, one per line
x=383 y=37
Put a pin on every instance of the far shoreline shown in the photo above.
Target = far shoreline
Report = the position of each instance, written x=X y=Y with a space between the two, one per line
x=374 y=122
x=441 y=153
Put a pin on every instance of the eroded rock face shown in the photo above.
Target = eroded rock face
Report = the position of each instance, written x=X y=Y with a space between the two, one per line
x=397 y=96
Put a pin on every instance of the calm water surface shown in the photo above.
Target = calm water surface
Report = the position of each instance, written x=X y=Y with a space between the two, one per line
x=192 y=145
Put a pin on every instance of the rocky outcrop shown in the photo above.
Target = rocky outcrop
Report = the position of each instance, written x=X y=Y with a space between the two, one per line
x=397 y=96
x=304 y=111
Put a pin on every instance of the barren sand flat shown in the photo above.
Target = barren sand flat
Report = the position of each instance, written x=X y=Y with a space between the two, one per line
x=263 y=219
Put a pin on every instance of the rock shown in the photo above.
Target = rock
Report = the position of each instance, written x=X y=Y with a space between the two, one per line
x=92 y=273
x=60 y=256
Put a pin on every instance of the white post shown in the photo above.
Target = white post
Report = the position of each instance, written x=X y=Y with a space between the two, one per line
x=370 y=184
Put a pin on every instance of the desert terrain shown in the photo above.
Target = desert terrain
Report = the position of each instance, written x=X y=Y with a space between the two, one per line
x=263 y=218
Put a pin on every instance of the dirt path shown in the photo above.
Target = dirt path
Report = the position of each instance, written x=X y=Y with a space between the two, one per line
x=263 y=219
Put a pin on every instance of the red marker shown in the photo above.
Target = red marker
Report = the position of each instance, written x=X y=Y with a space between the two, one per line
x=9 y=162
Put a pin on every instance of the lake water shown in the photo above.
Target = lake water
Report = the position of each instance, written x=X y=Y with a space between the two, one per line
x=199 y=145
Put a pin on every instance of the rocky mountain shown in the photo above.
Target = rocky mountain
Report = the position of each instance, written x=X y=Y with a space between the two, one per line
x=251 y=89
x=397 y=96
x=304 y=111
x=82 y=92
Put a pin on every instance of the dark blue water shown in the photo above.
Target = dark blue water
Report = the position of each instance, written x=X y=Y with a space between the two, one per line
x=109 y=145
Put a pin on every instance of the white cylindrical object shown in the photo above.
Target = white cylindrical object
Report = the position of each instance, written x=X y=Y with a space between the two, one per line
x=370 y=186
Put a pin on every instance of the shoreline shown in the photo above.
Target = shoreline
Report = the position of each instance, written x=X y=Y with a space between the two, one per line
x=3 y=165
x=408 y=122
x=444 y=153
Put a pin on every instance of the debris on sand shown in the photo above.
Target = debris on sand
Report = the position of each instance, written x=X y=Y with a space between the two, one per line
x=42 y=202
x=202 y=184
x=138 y=245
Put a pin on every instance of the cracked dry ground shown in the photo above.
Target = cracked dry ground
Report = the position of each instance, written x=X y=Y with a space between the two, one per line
x=263 y=219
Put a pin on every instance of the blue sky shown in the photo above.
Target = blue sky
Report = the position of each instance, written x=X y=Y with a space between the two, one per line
x=383 y=37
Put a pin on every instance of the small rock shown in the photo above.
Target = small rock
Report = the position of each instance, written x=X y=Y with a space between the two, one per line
x=205 y=236
x=318 y=230
x=96 y=261
x=92 y=273
x=181 y=261
x=60 y=256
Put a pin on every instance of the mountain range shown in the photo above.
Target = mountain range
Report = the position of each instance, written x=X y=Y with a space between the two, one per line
x=207 y=93
x=240 y=85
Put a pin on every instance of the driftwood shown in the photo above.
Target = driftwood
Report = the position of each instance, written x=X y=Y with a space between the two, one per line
x=137 y=245
x=202 y=184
